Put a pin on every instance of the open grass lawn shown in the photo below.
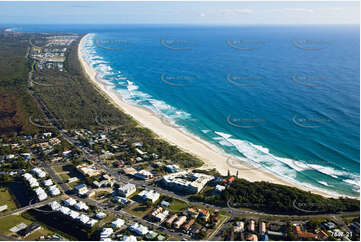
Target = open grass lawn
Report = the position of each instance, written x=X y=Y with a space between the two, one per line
x=12 y=220
x=177 y=205
x=74 y=184
x=6 y=199
x=140 y=210
x=58 y=168
x=108 y=219
x=64 y=177
x=224 y=213
x=36 y=235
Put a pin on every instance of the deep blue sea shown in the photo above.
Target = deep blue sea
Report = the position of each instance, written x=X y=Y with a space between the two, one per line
x=283 y=98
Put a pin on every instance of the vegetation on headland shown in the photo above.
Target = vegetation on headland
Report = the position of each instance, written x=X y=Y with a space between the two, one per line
x=275 y=198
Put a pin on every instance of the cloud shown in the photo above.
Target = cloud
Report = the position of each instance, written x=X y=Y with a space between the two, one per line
x=236 y=11
x=293 y=10
x=305 y=10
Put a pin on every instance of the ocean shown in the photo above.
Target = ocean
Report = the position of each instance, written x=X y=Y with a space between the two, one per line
x=285 y=99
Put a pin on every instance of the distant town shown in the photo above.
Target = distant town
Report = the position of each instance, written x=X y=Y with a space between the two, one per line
x=53 y=54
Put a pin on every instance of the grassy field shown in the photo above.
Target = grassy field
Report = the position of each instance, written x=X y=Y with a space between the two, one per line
x=177 y=205
x=10 y=221
x=6 y=199
x=108 y=219
x=58 y=168
x=36 y=235
x=67 y=171
x=140 y=210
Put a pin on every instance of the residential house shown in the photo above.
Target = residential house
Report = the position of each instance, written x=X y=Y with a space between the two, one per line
x=138 y=229
x=127 y=190
x=39 y=172
x=180 y=221
x=262 y=227
x=118 y=223
x=219 y=188
x=251 y=226
x=29 y=229
x=106 y=233
x=149 y=195
x=81 y=206
x=252 y=237
x=81 y=189
x=170 y=221
x=54 y=190
x=172 y=168
x=88 y=170
x=83 y=219
x=48 y=183
x=130 y=238
x=188 y=225
x=204 y=214
x=70 y=201
x=239 y=227
x=303 y=234
x=100 y=215
x=144 y=175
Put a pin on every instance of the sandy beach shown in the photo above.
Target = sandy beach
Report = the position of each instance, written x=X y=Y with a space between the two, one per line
x=186 y=142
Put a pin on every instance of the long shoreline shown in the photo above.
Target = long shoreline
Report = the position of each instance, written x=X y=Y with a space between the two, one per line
x=184 y=141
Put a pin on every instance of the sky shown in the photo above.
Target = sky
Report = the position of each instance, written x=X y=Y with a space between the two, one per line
x=221 y=13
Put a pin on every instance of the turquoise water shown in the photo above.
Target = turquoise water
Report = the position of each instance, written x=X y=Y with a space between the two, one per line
x=285 y=99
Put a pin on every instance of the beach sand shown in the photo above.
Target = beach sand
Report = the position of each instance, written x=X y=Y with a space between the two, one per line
x=186 y=142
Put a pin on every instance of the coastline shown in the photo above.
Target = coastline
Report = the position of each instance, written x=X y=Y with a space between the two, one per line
x=183 y=140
